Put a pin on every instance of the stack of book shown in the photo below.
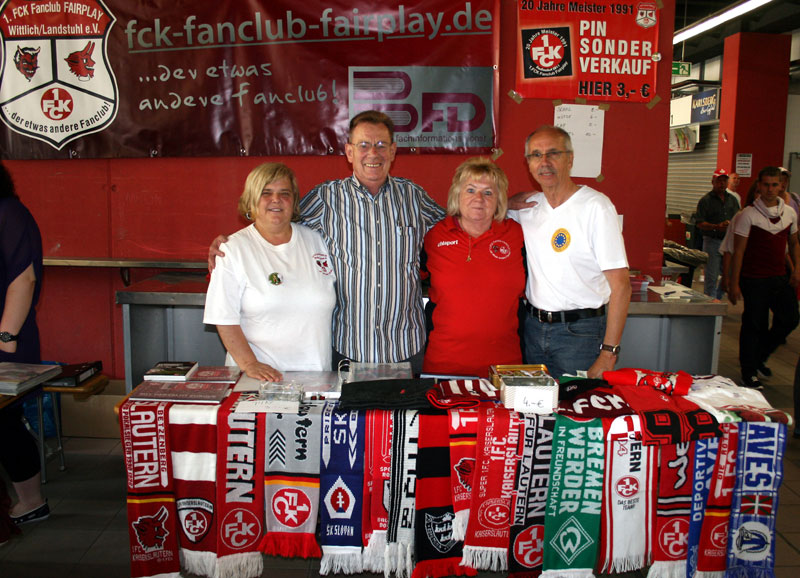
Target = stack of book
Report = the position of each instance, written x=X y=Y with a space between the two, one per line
x=17 y=378
x=186 y=382
x=171 y=371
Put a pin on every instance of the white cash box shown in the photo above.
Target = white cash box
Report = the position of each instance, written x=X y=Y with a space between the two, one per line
x=534 y=394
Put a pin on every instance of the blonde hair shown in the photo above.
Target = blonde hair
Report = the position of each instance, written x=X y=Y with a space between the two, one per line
x=479 y=167
x=258 y=179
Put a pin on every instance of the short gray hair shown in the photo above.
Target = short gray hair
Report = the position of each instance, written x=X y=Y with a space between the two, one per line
x=550 y=128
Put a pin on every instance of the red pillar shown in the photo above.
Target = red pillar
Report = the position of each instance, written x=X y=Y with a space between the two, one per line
x=755 y=86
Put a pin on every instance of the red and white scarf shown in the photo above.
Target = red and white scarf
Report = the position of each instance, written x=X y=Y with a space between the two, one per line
x=666 y=381
x=240 y=492
x=498 y=450
x=152 y=519
x=193 y=441
x=628 y=498
x=463 y=425
x=377 y=463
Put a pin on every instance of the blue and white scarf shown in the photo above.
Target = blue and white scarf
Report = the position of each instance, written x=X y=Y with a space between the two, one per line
x=759 y=473
x=705 y=454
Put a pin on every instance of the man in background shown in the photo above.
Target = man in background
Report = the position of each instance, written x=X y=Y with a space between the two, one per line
x=733 y=187
x=714 y=213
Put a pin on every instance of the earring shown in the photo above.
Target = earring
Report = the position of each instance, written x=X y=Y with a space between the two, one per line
x=247 y=216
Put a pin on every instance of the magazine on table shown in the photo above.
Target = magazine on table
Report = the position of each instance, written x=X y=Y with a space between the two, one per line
x=171 y=371
x=181 y=391
x=17 y=378
x=221 y=373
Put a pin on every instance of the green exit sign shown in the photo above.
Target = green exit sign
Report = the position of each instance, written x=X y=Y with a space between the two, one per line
x=681 y=68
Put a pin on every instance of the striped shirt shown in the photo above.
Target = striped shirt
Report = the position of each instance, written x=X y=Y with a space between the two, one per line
x=374 y=243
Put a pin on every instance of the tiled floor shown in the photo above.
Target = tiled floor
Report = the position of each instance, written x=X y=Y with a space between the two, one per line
x=86 y=535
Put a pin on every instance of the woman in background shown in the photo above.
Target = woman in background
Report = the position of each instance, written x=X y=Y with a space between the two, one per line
x=20 y=283
x=272 y=296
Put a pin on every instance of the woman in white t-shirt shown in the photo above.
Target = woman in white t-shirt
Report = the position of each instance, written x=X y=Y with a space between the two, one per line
x=272 y=295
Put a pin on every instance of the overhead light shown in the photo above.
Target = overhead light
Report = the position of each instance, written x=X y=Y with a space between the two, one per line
x=716 y=19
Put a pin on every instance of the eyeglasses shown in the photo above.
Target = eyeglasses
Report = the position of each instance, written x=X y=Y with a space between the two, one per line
x=549 y=155
x=365 y=146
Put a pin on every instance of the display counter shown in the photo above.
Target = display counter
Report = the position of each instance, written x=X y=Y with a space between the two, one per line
x=163 y=319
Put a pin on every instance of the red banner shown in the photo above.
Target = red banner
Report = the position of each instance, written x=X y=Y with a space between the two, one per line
x=602 y=50
x=87 y=78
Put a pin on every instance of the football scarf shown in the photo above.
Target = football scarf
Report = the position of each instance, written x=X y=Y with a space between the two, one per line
x=152 y=519
x=377 y=462
x=193 y=441
x=486 y=542
x=712 y=549
x=526 y=543
x=291 y=482
x=386 y=394
x=705 y=454
x=399 y=554
x=341 y=490
x=672 y=510
x=730 y=403
x=601 y=402
x=668 y=382
x=463 y=424
x=438 y=553
x=669 y=419
x=240 y=496
x=572 y=517
x=628 y=498
x=465 y=393
x=759 y=473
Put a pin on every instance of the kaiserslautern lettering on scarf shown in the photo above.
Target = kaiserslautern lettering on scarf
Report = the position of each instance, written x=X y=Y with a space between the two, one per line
x=705 y=454
x=377 y=458
x=668 y=382
x=438 y=553
x=240 y=497
x=759 y=473
x=526 y=544
x=399 y=556
x=676 y=462
x=572 y=517
x=713 y=547
x=291 y=483
x=341 y=489
x=193 y=441
x=152 y=519
x=486 y=543
x=463 y=425
x=628 y=498
x=669 y=419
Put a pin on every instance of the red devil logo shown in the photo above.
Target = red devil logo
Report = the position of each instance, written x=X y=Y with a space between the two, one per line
x=464 y=469
x=150 y=530
x=27 y=61
x=80 y=62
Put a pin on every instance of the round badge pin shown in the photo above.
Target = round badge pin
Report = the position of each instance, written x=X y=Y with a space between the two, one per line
x=560 y=240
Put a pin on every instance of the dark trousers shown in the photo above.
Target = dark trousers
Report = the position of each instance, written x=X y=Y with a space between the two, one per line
x=757 y=340
x=19 y=454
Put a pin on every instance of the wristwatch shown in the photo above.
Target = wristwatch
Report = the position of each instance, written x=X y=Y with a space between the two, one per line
x=612 y=349
x=6 y=337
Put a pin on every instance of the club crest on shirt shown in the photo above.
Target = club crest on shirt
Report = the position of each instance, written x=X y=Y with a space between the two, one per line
x=560 y=240
x=323 y=263
x=500 y=249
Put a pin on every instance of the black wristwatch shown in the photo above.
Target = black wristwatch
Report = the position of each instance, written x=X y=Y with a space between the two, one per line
x=612 y=349
x=6 y=337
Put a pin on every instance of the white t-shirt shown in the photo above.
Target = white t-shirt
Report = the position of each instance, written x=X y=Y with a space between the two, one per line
x=753 y=217
x=735 y=196
x=568 y=249
x=282 y=296
x=727 y=240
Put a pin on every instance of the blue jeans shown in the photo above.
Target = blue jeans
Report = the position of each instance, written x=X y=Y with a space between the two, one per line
x=713 y=267
x=564 y=347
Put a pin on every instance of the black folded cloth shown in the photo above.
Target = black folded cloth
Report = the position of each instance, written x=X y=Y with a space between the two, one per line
x=386 y=394
x=569 y=387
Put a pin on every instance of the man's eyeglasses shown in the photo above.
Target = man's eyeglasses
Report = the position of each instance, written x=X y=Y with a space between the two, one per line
x=365 y=146
x=549 y=155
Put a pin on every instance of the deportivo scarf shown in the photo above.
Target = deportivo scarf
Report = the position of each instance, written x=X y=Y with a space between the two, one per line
x=463 y=427
x=377 y=463
x=193 y=441
x=486 y=543
x=526 y=543
x=668 y=382
x=572 y=517
x=341 y=489
x=676 y=462
x=669 y=419
x=399 y=554
x=705 y=454
x=713 y=545
x=628 y=498
x=438 y=553
x=240 y=496
x=152 y=519
x=291 y=482
x=759 y=473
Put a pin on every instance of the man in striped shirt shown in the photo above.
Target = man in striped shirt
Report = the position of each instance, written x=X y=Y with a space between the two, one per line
x=374 y=225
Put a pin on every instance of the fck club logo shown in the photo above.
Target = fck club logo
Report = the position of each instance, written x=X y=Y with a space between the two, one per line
x=494 y=513
x=546 y=52
x=291 y=507
x=240 y=529
x=196 y=516
x=529 y=547
x=627 y=487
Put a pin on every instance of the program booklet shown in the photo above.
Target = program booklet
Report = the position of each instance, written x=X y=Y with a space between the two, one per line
x=16 y=378
x=181 y=392
x=221 y=373
x=171 y=371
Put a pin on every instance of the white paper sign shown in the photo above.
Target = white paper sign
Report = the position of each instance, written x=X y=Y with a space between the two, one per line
x=584 y=123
